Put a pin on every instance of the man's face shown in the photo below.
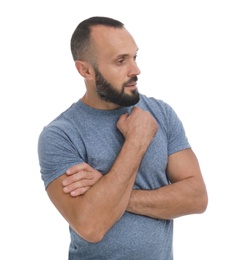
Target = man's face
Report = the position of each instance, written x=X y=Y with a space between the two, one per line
x=116 y=70
x=109 y=93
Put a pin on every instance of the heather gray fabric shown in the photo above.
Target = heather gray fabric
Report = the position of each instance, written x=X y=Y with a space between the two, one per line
x=83 y=134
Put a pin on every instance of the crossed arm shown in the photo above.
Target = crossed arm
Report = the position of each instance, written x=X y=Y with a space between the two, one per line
x=185 y=195
x=93 y=213
x=92 y=203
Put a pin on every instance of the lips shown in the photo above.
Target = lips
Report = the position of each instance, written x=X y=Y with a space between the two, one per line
x=132 y=84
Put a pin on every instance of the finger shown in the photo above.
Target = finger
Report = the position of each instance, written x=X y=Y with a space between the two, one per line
x=123 y=117
x=78 y=184
x=82 y=174
x=79 y=191
x=78 y=167
x=72 y=187
x=121 y=121
x=79 y=176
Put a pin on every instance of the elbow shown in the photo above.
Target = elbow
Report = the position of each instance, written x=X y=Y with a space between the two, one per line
x=93 y=236
x=202 y=203
x=90 y=234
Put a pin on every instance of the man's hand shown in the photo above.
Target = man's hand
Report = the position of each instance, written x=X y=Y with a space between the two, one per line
x=139 y=126
x=108 y=196
x=81 y=177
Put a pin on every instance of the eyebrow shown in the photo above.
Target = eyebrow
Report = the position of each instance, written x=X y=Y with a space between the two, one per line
x=122 y=56
x=125 y=55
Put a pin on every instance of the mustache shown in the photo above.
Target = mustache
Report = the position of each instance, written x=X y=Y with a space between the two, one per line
x=131 y=80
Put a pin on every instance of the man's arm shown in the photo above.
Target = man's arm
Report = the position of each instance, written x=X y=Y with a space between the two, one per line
x=81 y=177
x=185 y=195
x=92 y=214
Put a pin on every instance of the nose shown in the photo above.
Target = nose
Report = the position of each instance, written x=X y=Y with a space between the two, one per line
x=133 y=69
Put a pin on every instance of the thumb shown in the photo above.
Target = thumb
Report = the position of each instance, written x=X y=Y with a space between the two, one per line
x=122 y=119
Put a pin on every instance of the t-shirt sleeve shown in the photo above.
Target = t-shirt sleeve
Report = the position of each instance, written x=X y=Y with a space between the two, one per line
x=177 y=139
x=56 y=154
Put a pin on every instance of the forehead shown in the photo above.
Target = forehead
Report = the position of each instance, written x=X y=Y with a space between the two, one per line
x=111 y=42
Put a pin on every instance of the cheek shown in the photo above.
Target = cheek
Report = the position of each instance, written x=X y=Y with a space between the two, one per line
x=115 y=75
x=116 y=79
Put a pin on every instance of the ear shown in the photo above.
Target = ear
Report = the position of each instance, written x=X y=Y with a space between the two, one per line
x=85 y=69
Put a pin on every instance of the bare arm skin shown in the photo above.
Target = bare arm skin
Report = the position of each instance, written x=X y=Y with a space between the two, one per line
x=81 y=178
x=186 y=195
x=92 y=214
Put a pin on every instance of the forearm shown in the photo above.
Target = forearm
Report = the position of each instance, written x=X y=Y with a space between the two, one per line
x=175 y=200
x=108 y=198
x=94 y=212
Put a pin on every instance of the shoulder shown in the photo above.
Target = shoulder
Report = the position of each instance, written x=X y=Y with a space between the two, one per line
x=56 y=146
x=157 y=107
x=58 y=135
x=64 y=122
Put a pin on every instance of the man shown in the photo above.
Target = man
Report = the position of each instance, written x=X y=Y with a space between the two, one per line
x=117 y=164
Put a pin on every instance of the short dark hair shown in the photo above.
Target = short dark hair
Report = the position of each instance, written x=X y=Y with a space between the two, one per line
x=80 y=41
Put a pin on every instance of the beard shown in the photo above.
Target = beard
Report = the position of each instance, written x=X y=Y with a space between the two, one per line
x=109 y=93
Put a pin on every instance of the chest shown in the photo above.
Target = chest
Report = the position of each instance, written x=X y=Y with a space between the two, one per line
x=101 y=146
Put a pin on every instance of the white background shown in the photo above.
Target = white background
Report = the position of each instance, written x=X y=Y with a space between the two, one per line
x=186 y=59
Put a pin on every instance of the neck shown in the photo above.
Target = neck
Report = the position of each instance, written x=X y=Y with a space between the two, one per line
x=97 y=103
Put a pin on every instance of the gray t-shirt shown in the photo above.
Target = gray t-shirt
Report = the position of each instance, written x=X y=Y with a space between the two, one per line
x=83 y=134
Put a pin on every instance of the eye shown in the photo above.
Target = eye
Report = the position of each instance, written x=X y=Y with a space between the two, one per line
x=135 y=57
x=120 y=61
